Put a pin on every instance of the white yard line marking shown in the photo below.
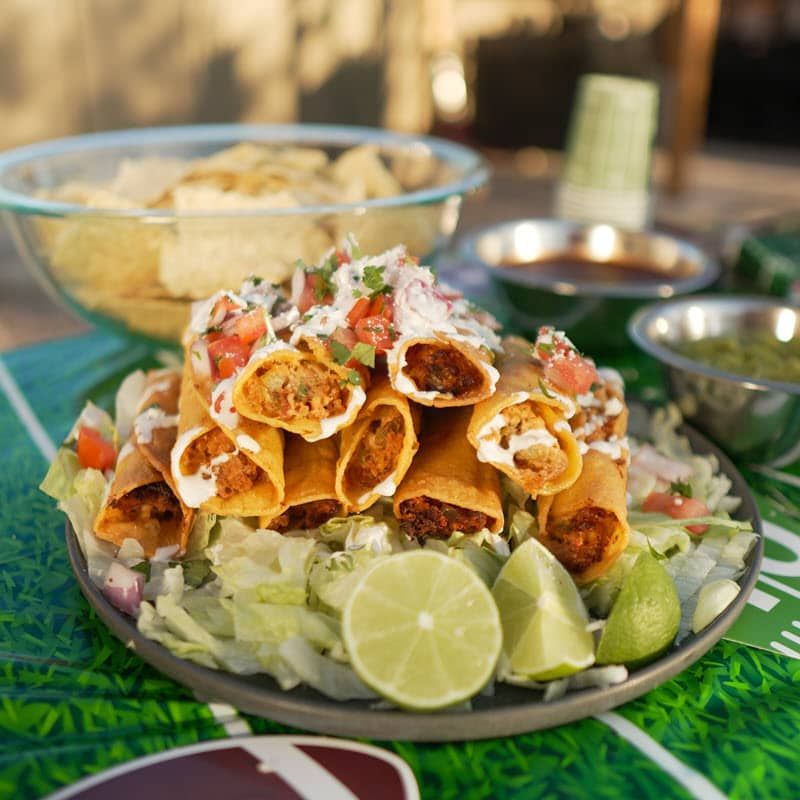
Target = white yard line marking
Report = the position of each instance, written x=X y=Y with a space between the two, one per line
x=229 y=718
x=696 y=784
x=308 y=778
x=784 y=650
x=26 y=415
x=762 y=600
x=790 y=590
x=226 y=715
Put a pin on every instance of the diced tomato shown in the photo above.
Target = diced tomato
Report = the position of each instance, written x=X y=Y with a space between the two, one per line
x=342 y=258
x=677 y=507
x=570 y=372
x=94 y=451
x=227 y=353
x=382 y=306
x=222 y=308
x=360 y=309
x=377 y=331
x=346 y=337
x=309 y=295
x=248 y=327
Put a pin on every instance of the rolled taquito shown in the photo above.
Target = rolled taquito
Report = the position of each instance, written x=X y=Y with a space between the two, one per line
x=299 y=389
x=310 y=499
x=586 y=525
x=234 y=471
x=522 y=429
x=446 y=488
x=375 y=452
x=441 y=370
x=142 y=503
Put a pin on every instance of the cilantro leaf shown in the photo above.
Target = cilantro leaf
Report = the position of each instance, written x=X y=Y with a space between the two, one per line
x=340 y=352
x=364 y=354
x=545 y=391
x=681 y=488
x=143 y=567
x=353 y=377
x=373 y=280
x=548 y=348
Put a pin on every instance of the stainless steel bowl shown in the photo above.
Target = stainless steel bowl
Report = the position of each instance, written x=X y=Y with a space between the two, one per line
x=588 y=297
x=753 y=419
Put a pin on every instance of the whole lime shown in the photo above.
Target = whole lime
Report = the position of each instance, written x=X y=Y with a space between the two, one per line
x=644 y=620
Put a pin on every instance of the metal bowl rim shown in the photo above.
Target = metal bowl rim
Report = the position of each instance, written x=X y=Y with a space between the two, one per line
x=639 y=322
x=709 y=268
x=474 y=168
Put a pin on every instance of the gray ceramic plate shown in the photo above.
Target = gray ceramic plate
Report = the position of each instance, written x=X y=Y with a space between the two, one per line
x=510 y=710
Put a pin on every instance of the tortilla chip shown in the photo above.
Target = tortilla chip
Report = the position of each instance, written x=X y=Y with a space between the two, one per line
x=363 y=164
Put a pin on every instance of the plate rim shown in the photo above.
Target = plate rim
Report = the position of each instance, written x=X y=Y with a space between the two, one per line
x=323 y=715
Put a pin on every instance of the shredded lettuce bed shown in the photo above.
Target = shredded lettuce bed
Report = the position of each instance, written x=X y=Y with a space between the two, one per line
x=250 y=600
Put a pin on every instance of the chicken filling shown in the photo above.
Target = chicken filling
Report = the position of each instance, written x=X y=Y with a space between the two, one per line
x=583 y=540
x=540 y=461
x=150 y=506
x=234 y=475
x=423 y=516
x=306 y=515
x=375 y=457
x=435 y=368
x=302 y=389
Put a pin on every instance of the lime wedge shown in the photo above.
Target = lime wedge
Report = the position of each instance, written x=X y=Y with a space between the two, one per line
x=544 y=620
x=645 y=617
x=422 y=630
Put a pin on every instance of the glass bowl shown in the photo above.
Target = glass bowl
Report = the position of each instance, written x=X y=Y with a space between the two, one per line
x=68 y=204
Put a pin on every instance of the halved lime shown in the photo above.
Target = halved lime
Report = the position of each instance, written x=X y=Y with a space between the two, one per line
x=422 y=630
x=544 y=620
x=645 y=617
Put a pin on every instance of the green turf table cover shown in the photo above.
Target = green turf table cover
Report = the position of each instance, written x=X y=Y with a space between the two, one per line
x=74 y=701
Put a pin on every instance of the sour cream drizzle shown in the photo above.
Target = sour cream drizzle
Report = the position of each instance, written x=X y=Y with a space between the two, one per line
x=195 y=489
x=246 y=442
x=222 y=409
x=330 y=425
x=148 y=421
x=491 y=451
x=386 y=488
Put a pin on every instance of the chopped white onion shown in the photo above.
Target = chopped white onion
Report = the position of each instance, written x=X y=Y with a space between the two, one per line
x=647 y=458
x=201 y=364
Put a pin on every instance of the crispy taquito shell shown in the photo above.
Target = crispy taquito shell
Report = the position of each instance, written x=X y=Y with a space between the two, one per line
x=382 y=403
x=523 y=391
x=302 y=370
x=586 y=525
x=119 y=520
x=310 y=469
x=260 y=444
x=156 y=425
x=447 y=469
x=462 y=354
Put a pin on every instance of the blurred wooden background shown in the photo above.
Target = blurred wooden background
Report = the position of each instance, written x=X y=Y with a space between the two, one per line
x=71 y=66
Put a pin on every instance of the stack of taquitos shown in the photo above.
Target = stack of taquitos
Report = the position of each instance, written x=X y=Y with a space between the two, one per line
x=142 y=503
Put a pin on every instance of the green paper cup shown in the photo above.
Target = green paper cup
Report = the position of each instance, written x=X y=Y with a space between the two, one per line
x=606 y=175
